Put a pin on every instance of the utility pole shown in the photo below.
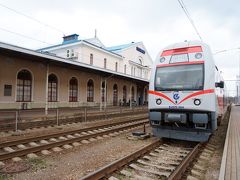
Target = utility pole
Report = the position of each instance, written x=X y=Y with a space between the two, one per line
x=238 y=83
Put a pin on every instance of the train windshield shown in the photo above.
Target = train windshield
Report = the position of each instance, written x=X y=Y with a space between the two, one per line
x=177 y=78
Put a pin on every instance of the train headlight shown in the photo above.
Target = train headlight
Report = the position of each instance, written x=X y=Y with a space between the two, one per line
x=158 y=101
x=162 y=59
x=198 y=55
x=197 y=102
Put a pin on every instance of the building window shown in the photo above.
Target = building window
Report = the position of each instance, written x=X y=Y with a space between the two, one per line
x=7 y=90
x=24 y=86
x=124 y=95
x=91 y=59
x=90 y=91
x=133 y=95
x=116 y=66
x=103 y=92
x=115 y=95
x=73 y=90
x=134 y=71
x=52 y=88
x=105 y=63
x=125 y=69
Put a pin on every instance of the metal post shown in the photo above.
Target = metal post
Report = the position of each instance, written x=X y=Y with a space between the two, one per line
x=85 y=114
x=105 y=94
x=101 y=95
x=105 y=112
x=238 y=83
x=57 y=116
x=16 y=118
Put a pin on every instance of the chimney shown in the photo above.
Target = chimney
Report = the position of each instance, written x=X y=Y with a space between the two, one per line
x=70 y=38
x=95 y=33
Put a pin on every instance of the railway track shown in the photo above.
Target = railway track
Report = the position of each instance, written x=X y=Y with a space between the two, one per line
x=25 y=146
x=28 y=122
x=155 y=161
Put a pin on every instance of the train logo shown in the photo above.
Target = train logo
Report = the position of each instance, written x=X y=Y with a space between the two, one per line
x=176 y=96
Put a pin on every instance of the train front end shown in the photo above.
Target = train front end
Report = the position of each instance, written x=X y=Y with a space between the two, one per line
x=182 y=100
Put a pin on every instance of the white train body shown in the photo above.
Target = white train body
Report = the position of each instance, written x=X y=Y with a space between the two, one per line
x=185 y=92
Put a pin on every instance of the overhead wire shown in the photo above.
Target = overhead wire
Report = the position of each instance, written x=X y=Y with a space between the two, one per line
x=33 y=19
x=189 y=18
x=28 y=37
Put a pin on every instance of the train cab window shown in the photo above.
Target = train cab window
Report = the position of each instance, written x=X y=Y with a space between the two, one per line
x=179 y=78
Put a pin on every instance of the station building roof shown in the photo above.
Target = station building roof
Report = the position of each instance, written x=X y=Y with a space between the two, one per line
x=28 y=54
x=95 y=42
x=121 y=47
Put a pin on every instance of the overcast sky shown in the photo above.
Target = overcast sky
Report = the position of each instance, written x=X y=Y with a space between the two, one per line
x=157 y=23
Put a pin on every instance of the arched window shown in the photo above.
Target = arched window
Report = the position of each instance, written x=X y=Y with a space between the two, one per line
x=90 y=91
x=115 y=95
x=91 y=59
x=103 y=92
x=133 y=95
x=73 y=90
x=124 y=94
x=52 y=88
x=24 y=86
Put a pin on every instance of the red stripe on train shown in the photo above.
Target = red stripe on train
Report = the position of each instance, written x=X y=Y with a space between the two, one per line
x=161 y=95
x=208 y=91
x=192 y=49
x=181 y=63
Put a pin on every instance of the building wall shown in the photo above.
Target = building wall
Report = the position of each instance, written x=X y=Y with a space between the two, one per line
x=98 y=58
x=9 y=67
x=132 y=55
x=82 y=53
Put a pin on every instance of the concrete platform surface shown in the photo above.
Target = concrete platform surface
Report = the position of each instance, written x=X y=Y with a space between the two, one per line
x=230 y=165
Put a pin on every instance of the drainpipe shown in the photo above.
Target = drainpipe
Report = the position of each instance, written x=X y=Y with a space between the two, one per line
x=101 y=95
x=46 y=91
x=130 y=105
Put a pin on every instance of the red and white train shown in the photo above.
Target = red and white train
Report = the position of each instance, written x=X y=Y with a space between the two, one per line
x=186 y=93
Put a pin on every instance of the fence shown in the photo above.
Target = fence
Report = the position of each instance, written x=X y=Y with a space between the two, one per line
x=34 y=118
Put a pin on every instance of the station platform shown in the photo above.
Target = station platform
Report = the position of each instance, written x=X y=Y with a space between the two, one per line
x=230 y=165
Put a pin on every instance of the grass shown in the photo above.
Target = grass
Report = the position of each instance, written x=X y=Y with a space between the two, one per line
x=5 y=177
x=37 y=163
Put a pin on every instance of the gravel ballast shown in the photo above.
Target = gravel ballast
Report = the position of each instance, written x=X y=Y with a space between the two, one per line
x=81 y=160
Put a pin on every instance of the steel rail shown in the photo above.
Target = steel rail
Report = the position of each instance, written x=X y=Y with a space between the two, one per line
x=177 y=173
x=22 y=152
x=110 y=168
x=116 y=165
x=41 y=137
